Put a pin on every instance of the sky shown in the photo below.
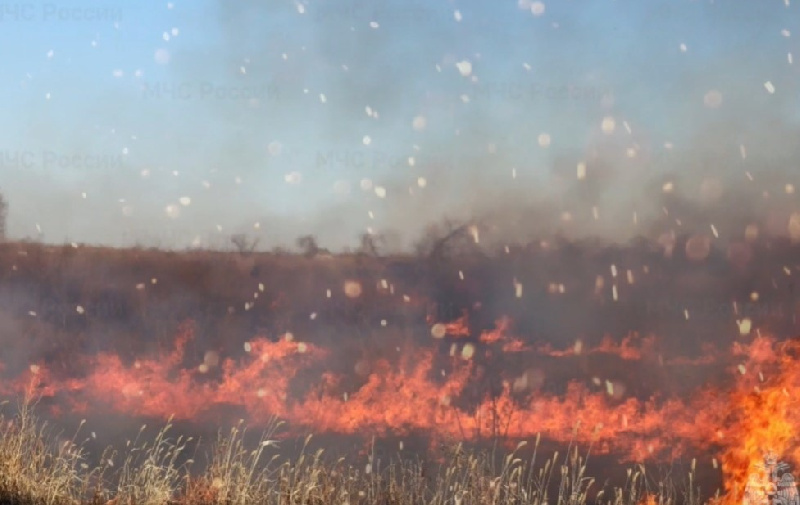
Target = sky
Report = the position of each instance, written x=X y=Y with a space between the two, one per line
x=178 y=124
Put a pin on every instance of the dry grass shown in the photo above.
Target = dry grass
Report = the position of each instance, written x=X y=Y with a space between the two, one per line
x=34 y=469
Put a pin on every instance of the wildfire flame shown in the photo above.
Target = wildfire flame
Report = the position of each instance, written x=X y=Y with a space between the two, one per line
x=756 y=413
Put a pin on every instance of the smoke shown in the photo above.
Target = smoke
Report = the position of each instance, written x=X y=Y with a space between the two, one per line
x=335 y=119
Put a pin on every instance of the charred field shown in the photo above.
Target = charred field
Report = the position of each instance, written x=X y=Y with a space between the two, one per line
x=625 y=361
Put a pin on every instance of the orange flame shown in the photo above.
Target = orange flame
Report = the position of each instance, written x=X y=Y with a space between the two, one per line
x=757 y=413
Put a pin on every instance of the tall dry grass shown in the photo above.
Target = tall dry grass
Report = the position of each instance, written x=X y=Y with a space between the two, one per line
x=37 y=469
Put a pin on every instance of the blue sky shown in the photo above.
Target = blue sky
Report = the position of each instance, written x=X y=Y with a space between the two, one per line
x=109 y=125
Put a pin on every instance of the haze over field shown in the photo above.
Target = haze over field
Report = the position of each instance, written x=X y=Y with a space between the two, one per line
x=184 y=122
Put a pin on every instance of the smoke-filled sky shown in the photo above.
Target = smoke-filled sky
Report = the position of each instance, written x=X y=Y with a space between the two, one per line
x=184 y=122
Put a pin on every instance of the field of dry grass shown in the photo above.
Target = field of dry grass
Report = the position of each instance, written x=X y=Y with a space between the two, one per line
x=34 y=469
x=131 y=302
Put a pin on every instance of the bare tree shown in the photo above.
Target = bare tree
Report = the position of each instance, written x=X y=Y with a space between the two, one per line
x=452 y=237
x=309 y=246
x=371 y=244
x=244 y=244
x=3 y=217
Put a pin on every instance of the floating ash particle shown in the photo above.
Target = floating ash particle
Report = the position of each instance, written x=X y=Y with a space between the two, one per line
x=769 y=87
x=473 y=230
x=468 y=351
x=464 y=68
x=79 y=309
x=161 y=56
x=419 y=123
x=520 y=384
x=537 y=8
x=172 y=211
x=293 y=178
x=608 y=125
x=531 y=380
x=362 y=368
x=698 y=247
x=712 y=99
x=599 y=283
x=438 y=330
x=211 y=359
x=544 y=140
x=352 y=289
x=581 y=171
x=751 y=233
